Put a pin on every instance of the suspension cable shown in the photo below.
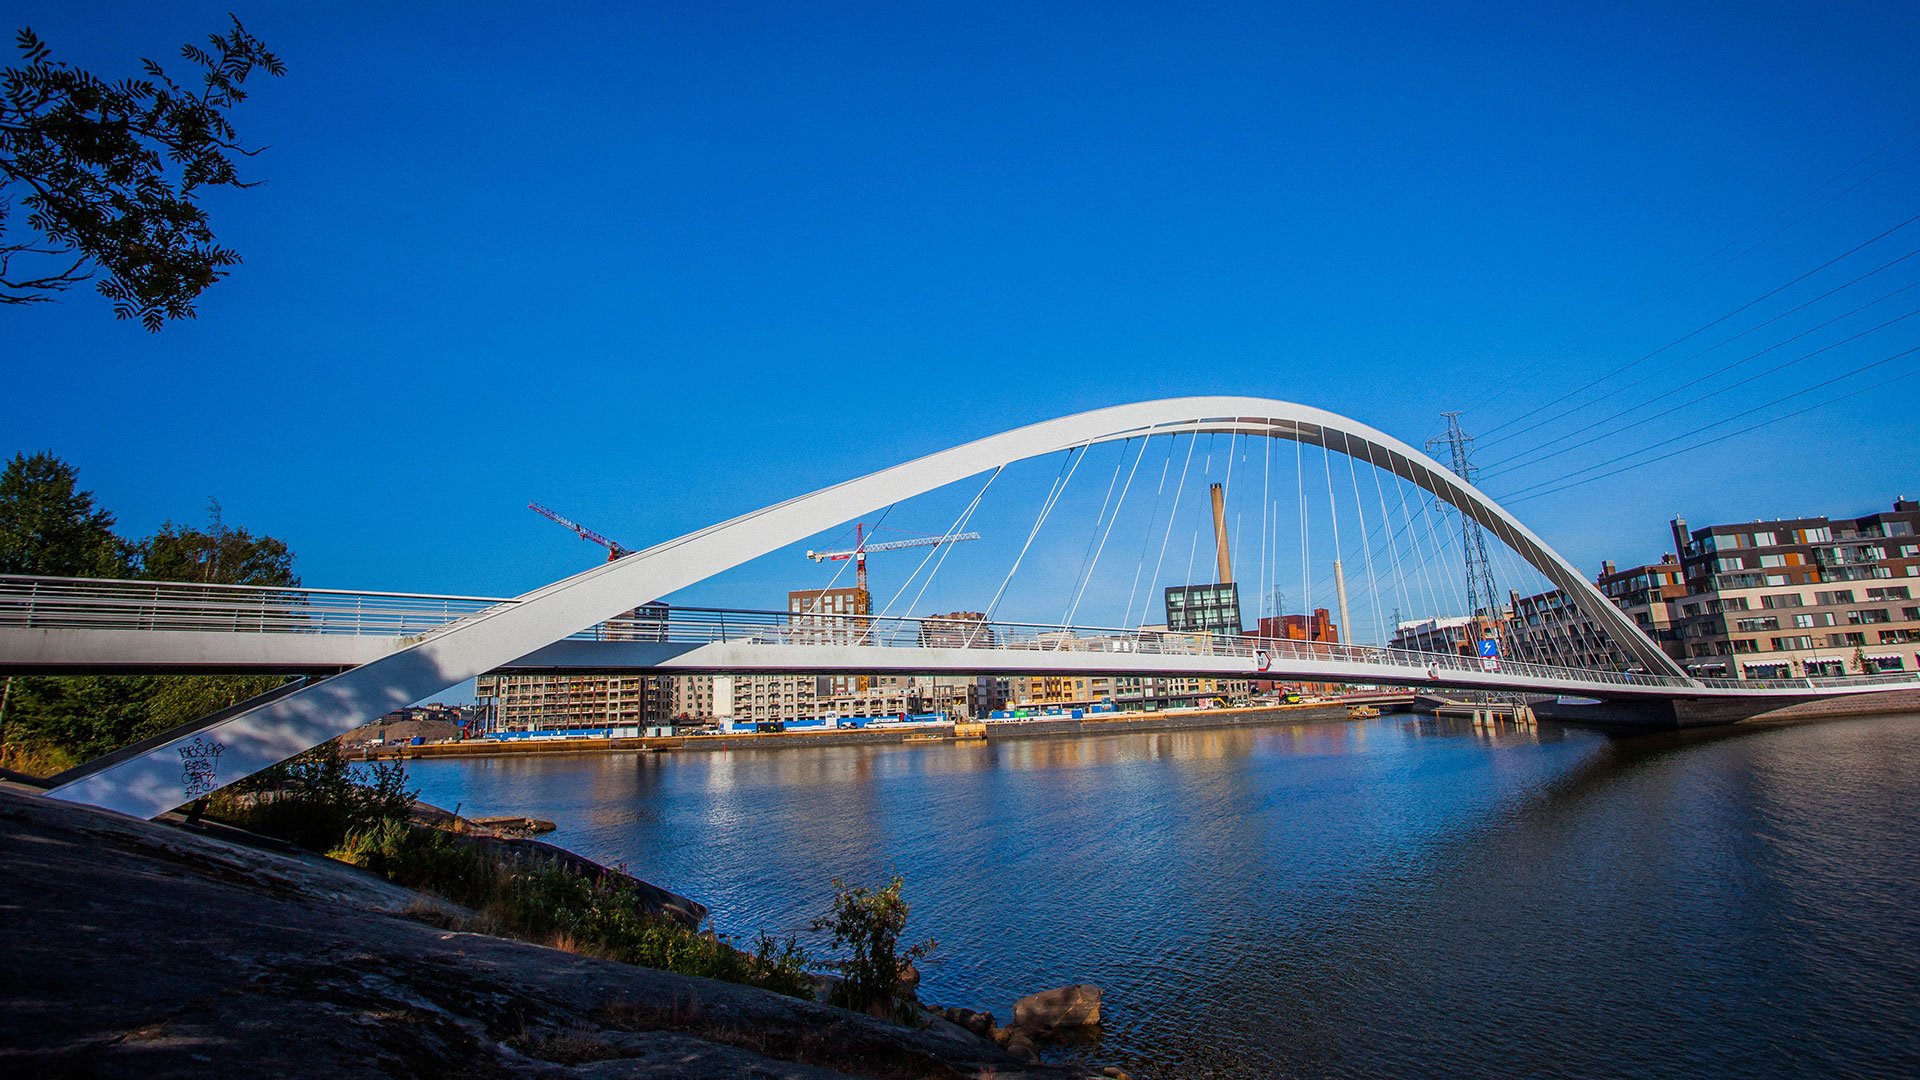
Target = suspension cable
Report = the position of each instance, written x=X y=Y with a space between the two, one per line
x=1074 y=458
x=1146 y=534
x=1074 y=611
x=1172 y=515
x=945 y=545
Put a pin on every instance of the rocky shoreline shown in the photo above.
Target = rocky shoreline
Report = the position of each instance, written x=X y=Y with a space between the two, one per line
x=137 y=947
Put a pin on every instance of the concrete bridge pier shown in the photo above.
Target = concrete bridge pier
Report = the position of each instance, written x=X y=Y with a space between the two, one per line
x=1677 y=713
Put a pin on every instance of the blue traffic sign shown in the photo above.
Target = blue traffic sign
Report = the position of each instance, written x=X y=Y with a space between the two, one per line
x=1489 y=648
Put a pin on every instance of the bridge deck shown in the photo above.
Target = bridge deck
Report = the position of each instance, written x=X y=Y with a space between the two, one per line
x=66 y=626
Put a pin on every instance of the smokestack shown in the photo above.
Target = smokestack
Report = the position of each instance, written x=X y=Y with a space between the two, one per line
x=1220 y=535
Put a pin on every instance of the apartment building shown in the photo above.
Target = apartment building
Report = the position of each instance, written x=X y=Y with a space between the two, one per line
x=1127 y=693
x=1210 y=607
x=1549 y=628
x=956 y=630
x=1647 y=594
x=1800 y=596
x=514 y=702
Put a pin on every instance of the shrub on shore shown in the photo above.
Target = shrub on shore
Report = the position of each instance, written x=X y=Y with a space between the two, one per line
x=316 y=799
x=868 y=923
x=550 y=904
x=360 y=815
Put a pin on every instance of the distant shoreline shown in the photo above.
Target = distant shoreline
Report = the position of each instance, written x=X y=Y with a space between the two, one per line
x=940 y=734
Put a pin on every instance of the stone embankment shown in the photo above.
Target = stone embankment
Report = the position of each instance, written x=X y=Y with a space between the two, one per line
x=144 y=949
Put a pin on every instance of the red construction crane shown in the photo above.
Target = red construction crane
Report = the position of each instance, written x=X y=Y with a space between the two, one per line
x=614 y=548
x=861 y=548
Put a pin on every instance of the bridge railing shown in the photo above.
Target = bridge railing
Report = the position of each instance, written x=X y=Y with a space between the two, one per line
x=702 y=626
x=106 y=604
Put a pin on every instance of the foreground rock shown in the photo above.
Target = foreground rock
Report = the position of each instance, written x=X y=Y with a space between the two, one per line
x=143 y=950
x=1053 y=1011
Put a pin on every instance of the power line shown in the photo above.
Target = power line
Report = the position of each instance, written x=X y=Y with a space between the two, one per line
x=1529 y=490
x=1640 y=305
x=1697 y=331
x=1643 y=380
x=1728 y=435
x=1735 y=385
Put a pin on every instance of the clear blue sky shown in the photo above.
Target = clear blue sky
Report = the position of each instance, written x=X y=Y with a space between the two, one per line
x=656 y=265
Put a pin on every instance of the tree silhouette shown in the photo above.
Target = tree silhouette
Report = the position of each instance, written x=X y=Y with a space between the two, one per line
x=109 y=175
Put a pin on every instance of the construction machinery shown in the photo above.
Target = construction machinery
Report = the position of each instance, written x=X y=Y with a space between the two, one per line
x=858 y=553
x=615 y=549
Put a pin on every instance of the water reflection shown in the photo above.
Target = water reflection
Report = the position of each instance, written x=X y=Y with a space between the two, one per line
x=1401 y=896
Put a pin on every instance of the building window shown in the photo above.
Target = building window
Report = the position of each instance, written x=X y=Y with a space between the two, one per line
x=1867 y=616
x=1846 y=641
x=1837 y=596
x=1780 y=600
x=1890 y=592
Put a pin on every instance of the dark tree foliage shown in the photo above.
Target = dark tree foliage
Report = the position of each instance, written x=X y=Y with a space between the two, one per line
x=110 y=175
x=218 y=554
x=49 y=526
x=70 y=720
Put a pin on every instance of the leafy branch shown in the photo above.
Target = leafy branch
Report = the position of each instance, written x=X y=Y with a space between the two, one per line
x=109 y=175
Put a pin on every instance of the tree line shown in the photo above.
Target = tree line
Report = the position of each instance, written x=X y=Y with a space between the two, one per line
x=50 y=526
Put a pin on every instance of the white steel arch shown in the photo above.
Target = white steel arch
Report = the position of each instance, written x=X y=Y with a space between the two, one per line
x=157 y=778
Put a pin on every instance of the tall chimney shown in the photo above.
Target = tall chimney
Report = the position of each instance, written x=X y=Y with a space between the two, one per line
x=1220 y=535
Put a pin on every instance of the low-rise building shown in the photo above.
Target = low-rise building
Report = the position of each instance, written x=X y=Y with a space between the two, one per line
x=1454 y=635
x=1318 y=627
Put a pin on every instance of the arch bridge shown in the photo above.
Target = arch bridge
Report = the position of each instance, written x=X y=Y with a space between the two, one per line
x=381 y=651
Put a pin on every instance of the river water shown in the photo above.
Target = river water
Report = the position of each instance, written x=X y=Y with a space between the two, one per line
x=1404 y=896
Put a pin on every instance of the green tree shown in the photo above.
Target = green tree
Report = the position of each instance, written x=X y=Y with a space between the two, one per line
x=56 y=723
x=219 y=554
x=49 y=526
x=110 y=175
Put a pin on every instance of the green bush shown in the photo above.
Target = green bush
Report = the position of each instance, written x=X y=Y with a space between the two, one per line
x=549 y=903
x=317 y=799
x=868 y=923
